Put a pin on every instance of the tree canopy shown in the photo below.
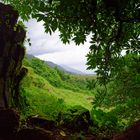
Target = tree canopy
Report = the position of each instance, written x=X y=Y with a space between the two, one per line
x=113 y=24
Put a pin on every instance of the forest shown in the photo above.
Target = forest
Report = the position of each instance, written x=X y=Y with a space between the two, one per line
x=39 y=102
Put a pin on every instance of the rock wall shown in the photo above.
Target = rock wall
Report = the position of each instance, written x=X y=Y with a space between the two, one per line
x=11 y=54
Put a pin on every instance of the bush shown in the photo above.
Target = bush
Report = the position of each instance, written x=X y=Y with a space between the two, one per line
x=120 y=97
x=105 y=123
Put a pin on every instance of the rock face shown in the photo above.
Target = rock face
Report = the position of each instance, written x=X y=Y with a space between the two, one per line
x=34 y=134
x=34 y=121
x=131 y=133
x=11 y=54
x=9 y=124
x=76 y=119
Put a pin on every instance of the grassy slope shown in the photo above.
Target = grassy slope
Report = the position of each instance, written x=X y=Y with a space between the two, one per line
x=49 y=91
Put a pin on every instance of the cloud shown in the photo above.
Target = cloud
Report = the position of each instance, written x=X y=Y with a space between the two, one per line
x=51 y=48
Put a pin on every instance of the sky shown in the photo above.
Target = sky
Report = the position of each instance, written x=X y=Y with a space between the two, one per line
x=50 y=48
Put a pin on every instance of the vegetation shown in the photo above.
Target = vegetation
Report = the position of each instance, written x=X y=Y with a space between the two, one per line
x=123 y=91
x=110 y=105
x=117 y=104
x=115 y=53
x=48 y=90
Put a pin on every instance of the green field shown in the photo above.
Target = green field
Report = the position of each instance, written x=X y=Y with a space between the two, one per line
x=49 y=90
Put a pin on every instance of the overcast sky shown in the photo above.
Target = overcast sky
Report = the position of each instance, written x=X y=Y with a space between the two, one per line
x=51 y=48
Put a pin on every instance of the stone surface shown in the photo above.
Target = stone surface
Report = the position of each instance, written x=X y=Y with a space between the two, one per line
x=76 y=119
x=11 y=55
x=34 y=121
x=34 y=134
x=9 y=124
x=131 y=133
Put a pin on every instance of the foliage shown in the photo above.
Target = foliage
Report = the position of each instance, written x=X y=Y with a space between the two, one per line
x=91 y=84
x=38 y=98
x=106 y=123
x=115 y=105
x=57 y=77
x=113 y=25
x=122 y=95
x=39 y=95
x=79 y=82
x=45 y=71
x=64 y=76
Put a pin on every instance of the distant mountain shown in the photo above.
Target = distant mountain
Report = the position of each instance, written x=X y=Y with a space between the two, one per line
x=53 y=65
x=61 y=67
x=29 y=56
x=64 y=68
x=71 y=70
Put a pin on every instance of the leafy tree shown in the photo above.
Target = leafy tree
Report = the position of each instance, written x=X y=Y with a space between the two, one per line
x=113 y=24
x=122 y=97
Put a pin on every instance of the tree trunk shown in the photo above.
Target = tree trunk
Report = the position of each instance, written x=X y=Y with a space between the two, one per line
x=11 y=54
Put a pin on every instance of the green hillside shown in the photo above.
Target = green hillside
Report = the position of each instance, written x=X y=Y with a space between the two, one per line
x=49 y=90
